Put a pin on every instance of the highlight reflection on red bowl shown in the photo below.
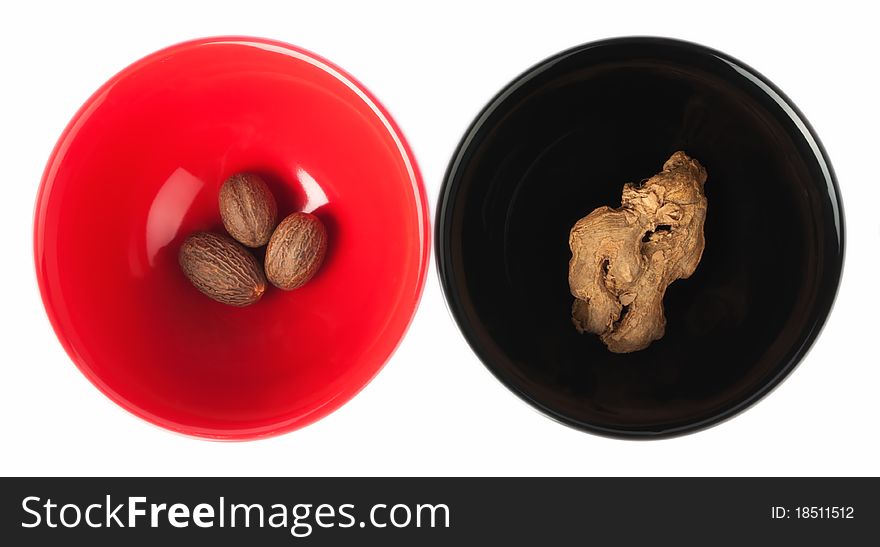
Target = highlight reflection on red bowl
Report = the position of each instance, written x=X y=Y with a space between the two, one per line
x=139 y=168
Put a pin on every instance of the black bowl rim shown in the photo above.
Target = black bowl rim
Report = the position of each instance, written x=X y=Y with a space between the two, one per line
x=451 y=182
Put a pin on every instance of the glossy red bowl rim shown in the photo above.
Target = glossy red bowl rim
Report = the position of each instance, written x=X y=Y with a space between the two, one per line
x=404 y=149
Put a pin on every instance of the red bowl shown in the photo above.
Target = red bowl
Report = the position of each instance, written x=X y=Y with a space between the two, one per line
x=139 y=168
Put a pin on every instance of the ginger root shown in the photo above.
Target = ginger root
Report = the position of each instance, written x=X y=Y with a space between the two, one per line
x=624 y=259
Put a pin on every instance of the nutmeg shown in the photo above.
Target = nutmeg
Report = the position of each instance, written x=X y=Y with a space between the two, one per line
x=222 y=269
x=296 y=251
x=248 y=209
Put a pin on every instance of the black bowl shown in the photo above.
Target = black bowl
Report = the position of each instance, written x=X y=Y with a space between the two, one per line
x=561 y=140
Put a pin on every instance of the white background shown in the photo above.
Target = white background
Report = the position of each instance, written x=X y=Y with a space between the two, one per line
x=434 y=409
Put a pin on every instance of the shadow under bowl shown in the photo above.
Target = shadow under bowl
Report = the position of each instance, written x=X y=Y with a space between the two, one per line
x=561 y=140
x=139 y=168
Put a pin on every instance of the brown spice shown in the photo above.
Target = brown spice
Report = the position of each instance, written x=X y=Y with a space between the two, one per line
x=624 y=259
x=222 y=269
x=248 y=209
x=296 y=251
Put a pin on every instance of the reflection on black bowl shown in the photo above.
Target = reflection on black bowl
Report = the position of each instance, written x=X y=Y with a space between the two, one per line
x=560 y=141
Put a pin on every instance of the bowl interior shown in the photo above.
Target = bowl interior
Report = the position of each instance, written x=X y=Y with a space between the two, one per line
x=561 y=141
x=139 y=168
